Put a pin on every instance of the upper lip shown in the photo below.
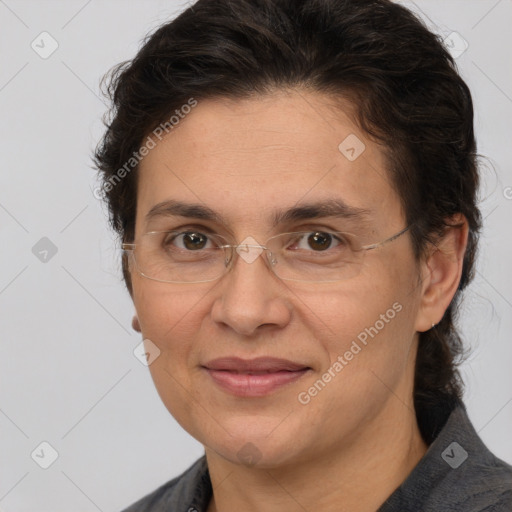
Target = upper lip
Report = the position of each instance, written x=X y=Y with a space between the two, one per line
x=259 y=364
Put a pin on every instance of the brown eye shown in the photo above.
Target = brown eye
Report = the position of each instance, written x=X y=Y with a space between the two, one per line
x=315 y=241
x=189 y=240
x=320 y=241
x=194 y=240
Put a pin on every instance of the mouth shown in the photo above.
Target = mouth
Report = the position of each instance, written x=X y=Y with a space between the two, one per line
x=253 y=378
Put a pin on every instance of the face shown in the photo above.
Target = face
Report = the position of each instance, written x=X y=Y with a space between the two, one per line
x=246 y=160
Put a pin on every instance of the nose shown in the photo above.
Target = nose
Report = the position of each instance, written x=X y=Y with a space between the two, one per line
x=251 y=298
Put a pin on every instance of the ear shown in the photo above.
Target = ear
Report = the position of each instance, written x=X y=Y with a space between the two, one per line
x=441 y=272
x=136 y=324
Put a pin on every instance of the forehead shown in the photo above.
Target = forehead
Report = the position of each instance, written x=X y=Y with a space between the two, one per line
x=245 y=158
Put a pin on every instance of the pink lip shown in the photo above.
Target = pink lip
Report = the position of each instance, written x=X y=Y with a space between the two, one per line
x=254 y=377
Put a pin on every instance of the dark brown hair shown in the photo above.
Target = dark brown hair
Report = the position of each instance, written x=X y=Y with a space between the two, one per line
x=403 y=83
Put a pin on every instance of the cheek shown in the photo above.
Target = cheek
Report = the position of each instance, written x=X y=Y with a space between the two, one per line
x=369 y=323
x=356 y=318
x=367 y=352
x=173 y=318
x=162 y=307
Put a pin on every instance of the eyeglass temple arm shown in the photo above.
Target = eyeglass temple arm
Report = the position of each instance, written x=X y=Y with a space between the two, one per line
x=390 y=239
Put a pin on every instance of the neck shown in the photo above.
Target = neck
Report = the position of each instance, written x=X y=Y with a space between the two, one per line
x=360 y=475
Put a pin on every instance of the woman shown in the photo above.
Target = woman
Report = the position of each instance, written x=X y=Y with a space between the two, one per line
x=294 y=183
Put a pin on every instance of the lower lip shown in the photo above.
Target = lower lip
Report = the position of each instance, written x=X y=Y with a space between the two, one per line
x=243 y=384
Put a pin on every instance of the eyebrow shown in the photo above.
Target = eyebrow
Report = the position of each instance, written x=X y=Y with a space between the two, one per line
x=333 y=207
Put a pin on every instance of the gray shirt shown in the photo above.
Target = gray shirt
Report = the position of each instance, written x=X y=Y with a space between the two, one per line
x=457 y=474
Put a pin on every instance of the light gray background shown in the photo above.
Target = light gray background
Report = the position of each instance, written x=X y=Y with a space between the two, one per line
x=68 y=374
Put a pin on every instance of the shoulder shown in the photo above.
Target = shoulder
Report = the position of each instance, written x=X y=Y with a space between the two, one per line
x=484 y=487
x=475 y=480
x=503 y=503
x=457 y=474
x=188 y=491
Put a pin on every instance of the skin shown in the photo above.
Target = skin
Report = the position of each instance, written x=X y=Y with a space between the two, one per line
x=357 y=439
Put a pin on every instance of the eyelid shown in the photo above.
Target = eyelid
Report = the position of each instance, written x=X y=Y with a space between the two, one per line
x=203 y=228
x=317 y=227
x=333 y=234
x=200 y=229
x=191 y=227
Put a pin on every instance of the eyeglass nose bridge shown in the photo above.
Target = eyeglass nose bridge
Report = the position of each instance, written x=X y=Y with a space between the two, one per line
x=249 y=250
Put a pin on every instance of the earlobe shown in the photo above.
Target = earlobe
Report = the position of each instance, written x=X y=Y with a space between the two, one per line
x=136 y=324
x=441 y=273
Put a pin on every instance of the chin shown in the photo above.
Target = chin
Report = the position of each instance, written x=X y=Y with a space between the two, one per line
x=255 y=454
x=253 y=445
